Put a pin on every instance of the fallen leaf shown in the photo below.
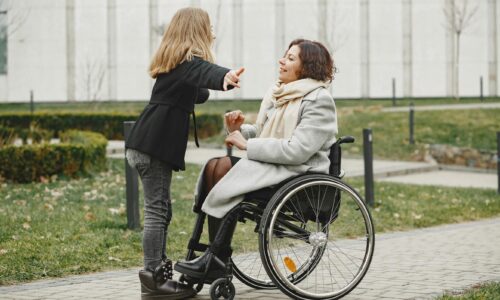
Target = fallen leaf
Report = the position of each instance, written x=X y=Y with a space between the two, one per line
x=20 y=202
x=89 y=216
x=3 y=251
x=114 y=258
x=26 y=226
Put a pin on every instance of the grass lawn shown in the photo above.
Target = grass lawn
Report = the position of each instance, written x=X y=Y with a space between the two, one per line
x=68 y=227
x=217 y=106
x=463 y=128
x=483 y=291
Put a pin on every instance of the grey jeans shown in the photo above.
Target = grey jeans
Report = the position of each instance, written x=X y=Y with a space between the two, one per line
x=156 y=177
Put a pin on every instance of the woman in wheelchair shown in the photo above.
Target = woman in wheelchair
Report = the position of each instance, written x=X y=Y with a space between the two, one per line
x=293 y=133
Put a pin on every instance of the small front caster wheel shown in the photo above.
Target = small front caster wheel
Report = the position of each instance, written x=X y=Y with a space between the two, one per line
x=222 y=288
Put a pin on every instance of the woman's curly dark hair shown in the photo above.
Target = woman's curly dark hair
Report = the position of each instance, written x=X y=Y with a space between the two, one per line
x=317 y=63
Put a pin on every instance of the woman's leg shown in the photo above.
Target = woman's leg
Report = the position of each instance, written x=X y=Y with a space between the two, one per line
x=214 y=171
x=219 y=243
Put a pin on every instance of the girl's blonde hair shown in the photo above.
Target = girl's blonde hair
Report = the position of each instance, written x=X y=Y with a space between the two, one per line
x=188 y=34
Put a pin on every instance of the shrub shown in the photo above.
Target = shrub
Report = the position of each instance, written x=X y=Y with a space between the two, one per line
x=7 y=136
x=78 y=153
x=207 y=125
x=108 y=124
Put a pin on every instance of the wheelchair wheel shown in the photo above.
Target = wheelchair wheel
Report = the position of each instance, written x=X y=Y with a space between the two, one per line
x=222 y=288
x=247 y=265
x=316 y=238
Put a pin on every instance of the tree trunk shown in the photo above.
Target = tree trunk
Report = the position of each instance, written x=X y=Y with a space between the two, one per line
x=457 y=70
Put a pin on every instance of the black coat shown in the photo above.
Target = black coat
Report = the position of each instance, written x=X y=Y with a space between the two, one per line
x=163 y=126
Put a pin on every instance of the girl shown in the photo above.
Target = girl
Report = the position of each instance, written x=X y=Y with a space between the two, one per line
x=184 y=70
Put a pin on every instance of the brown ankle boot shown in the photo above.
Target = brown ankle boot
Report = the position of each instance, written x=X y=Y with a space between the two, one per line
x=159 y=284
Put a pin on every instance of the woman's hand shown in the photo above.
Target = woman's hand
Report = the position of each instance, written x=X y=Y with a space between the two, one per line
x=233 y=120
x=235 y=138
x=232 y=78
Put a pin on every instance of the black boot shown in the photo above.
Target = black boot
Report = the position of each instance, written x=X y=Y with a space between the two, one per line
x=196 y=268
x=220 y=247
x=159 y=284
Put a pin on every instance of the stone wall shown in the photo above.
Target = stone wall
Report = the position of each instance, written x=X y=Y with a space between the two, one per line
x=468 y=157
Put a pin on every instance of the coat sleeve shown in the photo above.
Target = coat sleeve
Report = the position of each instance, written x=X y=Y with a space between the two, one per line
x=317 y=125
x=202 y=74
x=203 y=95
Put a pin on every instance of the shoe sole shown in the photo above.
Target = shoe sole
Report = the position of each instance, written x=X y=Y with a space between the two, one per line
x=199 y=275
x=147 y=294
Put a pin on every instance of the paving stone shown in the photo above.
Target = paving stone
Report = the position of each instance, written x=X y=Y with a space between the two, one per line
x=420 y=264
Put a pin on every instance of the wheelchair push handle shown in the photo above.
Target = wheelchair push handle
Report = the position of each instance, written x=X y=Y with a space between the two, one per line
x=348 y=139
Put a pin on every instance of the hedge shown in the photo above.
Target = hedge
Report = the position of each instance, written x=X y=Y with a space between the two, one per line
x=79 y=153
x=108 y=124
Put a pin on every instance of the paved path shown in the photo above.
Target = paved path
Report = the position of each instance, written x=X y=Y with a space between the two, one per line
x=419 y=264
x=467 y=106
x=442 y=178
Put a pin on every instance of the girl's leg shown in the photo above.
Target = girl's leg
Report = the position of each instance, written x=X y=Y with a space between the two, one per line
x=156 y=179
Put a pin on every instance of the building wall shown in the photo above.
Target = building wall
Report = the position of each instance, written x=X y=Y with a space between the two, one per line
x=107 y=46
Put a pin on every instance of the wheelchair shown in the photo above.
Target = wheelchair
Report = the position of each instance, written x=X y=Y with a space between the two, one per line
x=311 y=236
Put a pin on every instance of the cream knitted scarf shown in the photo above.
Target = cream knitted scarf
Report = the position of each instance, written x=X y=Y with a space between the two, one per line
x=286 y=100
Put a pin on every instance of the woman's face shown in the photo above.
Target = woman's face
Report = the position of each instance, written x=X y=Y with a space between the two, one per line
x=290 y=65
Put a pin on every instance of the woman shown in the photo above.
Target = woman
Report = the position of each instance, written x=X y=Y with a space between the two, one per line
x=295 y=129
x=183 y=69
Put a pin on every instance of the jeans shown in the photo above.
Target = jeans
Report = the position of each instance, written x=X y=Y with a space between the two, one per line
x=156 y=177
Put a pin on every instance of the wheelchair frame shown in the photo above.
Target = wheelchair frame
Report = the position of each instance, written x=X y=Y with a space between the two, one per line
x=298 y=221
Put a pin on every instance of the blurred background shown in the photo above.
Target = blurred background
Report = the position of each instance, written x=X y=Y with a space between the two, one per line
x=99 y=50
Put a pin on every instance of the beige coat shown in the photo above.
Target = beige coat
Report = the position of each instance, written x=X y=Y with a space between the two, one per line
x=270 y=161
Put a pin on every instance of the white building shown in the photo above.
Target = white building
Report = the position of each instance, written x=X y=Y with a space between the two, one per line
x=100 y=49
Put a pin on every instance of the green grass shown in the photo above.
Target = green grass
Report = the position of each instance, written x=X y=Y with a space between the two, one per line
x=217 y=106
x=482 y=291
x=127 y=106
x=463 y=128
x=68 y=227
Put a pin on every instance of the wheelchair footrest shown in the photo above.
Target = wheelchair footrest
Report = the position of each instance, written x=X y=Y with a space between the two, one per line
x=196 y=246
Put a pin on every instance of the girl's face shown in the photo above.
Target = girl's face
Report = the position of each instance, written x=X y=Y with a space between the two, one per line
x=290 y=65
x=212 y=32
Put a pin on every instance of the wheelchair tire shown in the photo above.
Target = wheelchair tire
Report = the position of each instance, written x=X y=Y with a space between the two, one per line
x=222 y=288
x=316 y=238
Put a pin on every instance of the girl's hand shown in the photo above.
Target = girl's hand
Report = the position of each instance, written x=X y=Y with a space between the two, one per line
x=235 y=138
x=232 y=78
x=233 y=120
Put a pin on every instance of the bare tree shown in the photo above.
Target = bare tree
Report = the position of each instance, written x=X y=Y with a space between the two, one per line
x=93 y=75
x=330 y=21
x=217 y=25
x=458 y=16
x=13 y=18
